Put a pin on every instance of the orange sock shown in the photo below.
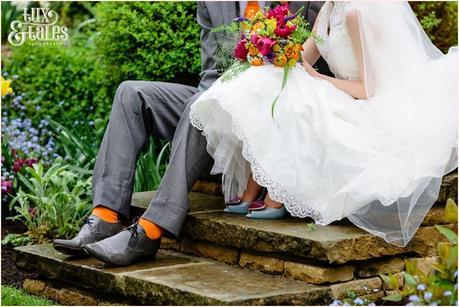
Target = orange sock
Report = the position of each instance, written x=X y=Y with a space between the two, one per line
x=105 y=214
x=152 y=230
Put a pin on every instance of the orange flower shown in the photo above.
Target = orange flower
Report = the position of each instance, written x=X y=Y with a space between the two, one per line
x=291 y=53
x=253 y=51
x=280 y=60
x=298 y=48
x=258 y=26
x=257 y=62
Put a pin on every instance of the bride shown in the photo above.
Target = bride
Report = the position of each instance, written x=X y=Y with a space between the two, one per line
x=371 y=144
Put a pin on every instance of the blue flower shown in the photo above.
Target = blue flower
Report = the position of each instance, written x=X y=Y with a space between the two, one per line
x=427 y=296
x=433 y=304
x=336 y=303
x=15 y=76
x=413 y=298
x=61 y=103
x=358 y=301
x=447 y=293
x=91 y=123
x=421 y=287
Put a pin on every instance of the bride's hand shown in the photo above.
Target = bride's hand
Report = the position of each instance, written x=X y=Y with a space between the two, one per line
x=310 y=69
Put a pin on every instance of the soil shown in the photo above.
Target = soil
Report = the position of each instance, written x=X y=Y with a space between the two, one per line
x=11 y=274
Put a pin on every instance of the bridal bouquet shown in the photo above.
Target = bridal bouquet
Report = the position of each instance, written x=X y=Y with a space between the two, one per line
x=273 y=37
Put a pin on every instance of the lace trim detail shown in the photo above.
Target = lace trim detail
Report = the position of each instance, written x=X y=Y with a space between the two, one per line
x=293 y=205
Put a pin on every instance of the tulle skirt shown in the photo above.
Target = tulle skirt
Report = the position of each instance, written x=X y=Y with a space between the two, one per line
x=325 y=155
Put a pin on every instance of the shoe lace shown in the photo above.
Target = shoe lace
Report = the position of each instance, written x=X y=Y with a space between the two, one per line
x=133 y=230
x=90 y=221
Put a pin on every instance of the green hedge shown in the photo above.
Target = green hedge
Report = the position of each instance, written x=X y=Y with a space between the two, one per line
x=149 y=40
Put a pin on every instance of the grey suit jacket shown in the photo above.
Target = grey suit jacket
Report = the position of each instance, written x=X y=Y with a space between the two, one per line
x=215 y=13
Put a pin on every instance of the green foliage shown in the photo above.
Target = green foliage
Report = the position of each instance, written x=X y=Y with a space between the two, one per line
x=64 y=83
x=149 y=40
x=9 y=14
x=440 y=286
x=80 y=152
x=439 y=20
x=151 y=167
x=17 y=297
x=53 y=203
x=15 y=239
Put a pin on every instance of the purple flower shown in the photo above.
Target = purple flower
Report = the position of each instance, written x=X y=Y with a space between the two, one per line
x=7 y=186
x=240 y=19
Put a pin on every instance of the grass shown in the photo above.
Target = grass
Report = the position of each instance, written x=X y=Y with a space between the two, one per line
x=17 y=297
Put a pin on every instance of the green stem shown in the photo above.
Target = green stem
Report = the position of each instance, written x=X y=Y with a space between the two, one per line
x=284 y=81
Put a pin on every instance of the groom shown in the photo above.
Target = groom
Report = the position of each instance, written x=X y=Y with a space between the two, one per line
x=141 y=109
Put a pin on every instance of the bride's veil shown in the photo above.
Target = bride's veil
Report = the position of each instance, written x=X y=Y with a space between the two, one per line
x=404 y=71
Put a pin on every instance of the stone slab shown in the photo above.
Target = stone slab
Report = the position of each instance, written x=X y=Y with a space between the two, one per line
x=198 y=201
x=334 y=243
x=173 y=279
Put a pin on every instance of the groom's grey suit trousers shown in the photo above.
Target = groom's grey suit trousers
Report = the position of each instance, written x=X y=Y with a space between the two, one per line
x=141 y=109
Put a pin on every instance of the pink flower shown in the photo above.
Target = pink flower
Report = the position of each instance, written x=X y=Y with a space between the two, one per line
x=7 y=186
x=30 y=162
x=17 y=165
x=283 y=30
x=279 y=12
x=240 y=51
x=33 y=211
x=265 y=44
x=254 y=39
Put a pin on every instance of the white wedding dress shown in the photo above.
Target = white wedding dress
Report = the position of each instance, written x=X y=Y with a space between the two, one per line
x=325 y=155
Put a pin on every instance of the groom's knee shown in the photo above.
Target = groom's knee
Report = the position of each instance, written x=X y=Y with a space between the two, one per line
x=128 y=96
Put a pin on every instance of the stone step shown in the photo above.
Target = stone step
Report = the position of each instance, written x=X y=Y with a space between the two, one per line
x=172 y=279
x=338 y=243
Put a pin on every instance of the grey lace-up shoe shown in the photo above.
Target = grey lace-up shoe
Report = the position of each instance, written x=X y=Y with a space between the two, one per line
x=128 y=246
x=92 y=231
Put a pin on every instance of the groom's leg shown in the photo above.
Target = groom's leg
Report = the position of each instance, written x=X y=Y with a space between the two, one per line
x=189 y=158
x=140 y=108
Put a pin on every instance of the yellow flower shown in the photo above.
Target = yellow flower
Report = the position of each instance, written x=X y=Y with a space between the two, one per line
x=258 y=26
x=276 y=48
x=258 y=16
x=291 y=62
x=271 y=25
x=6 y=89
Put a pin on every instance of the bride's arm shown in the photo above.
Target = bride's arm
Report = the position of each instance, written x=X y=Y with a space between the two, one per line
x=354 y=88
x=310 y=53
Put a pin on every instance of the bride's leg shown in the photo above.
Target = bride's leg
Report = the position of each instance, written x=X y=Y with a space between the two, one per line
x=272 y=203
x=252 y=190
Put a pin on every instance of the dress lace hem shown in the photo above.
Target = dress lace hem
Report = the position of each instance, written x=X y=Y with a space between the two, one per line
x=276 y=192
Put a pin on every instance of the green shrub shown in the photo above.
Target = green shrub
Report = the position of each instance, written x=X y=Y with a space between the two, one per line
x=53 y=202
x=439 y=20
x=149 y=40
x=64 y=83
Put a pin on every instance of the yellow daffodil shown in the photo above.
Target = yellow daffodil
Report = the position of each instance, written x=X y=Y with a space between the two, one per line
x=6 y=89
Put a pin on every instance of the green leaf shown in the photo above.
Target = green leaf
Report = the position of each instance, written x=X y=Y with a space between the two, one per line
x=284 y=82
x=409 y=279
x=393 y=297
x=450 y=211
x=447 y=233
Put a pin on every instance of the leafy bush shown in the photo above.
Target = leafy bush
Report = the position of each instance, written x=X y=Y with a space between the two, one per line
x=149 y=40
x=440 y=286
x=53 y=203
x=60 y=82
x=439 y=20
